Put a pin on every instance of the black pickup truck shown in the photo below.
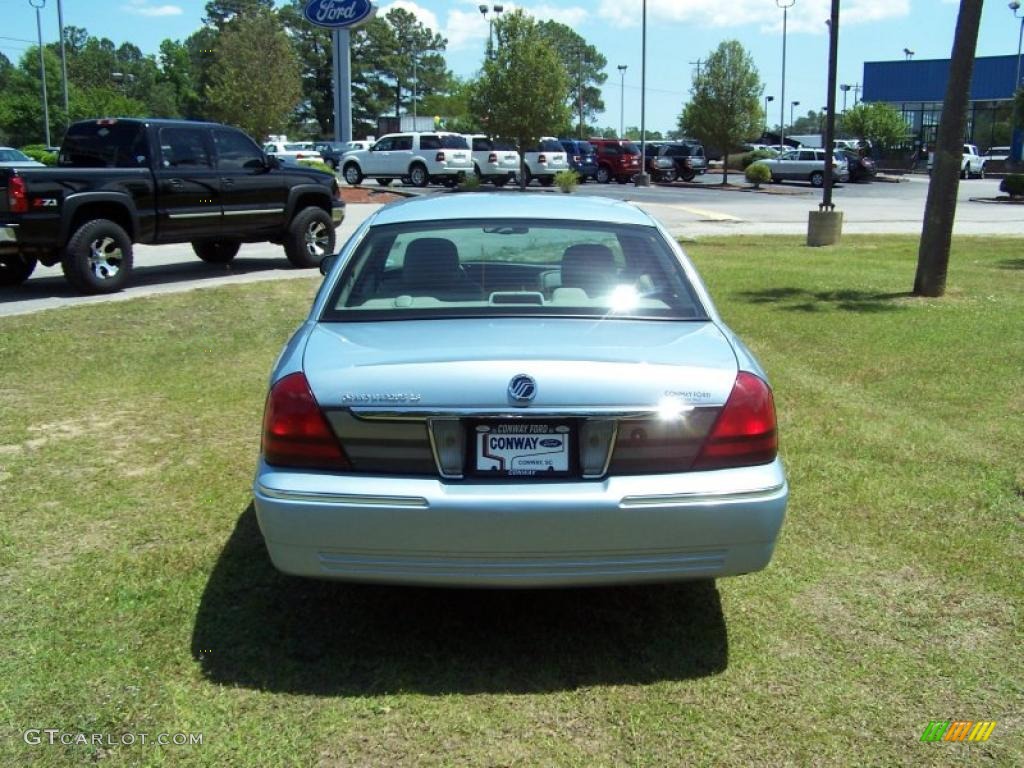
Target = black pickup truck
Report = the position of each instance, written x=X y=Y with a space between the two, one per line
x=125 y=181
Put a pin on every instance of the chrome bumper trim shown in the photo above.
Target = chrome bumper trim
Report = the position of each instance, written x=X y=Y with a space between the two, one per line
x=422 y=413
x=684 y=499
x=345 y=499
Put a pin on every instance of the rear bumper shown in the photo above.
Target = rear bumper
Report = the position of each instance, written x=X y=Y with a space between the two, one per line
x=634 y=529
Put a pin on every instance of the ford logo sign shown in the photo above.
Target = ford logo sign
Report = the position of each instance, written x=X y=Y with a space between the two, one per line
x=339 y=14
x=550 y=442
x=522 y=389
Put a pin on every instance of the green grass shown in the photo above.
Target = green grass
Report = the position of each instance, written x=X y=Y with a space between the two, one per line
x=137 y=597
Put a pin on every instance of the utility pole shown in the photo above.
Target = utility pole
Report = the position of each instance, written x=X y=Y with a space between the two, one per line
x=697 y=64
x=39 y=5
x=643 y=179
x=622 y=99
x=785 y=5
x=63 y=59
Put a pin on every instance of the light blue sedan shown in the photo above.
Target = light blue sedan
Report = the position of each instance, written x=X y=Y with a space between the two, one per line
x=517 y=391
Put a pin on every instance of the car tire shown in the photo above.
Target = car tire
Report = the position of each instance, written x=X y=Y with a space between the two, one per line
x=15 y=269
x=385 y=182
x=418 y=175
x=965 y=172
x=353 y=175
x=310 y=237
x=818 y=179
x=546 y=181
x=98 y=257
x=668 y=177
x=216 y=251
x=604 y=176
x=981 y=172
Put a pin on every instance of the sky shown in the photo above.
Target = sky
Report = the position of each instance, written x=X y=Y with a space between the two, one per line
x=679 y=33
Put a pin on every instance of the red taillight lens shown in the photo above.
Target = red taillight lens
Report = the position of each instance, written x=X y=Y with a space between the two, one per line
x=295 y=432
x=542 y=158
x=492 y=158
x=17 y=195
x=439 y=157
x=745 y=432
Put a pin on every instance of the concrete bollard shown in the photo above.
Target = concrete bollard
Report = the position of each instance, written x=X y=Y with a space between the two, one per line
x=824 y=228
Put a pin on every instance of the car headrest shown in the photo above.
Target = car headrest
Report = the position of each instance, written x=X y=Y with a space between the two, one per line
x=430 y=262
x=590 y=266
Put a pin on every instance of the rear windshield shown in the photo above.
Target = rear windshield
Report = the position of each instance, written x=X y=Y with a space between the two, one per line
x=504 y=267
x=12 y=155
x=550 y=145
x=96 y=145
x=584 y=148
x=443 y=142
x=630 y=148
x=504 y=145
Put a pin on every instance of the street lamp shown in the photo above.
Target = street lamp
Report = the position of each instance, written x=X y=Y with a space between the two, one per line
x=767 y=100
x=622 y=98
x=495 y=10
x=845 y=88
x=1015 y=7
x=643 y=179
x=63 y=60
x=785 y=5
x=39 y=5
x=792 y=105
x=908 y=53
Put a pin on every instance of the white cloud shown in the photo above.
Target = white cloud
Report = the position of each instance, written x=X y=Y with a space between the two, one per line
x=143 y=8
x=804 y=16
x=426 y=17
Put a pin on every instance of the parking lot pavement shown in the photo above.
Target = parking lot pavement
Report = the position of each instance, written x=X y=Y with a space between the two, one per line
x=170 y=269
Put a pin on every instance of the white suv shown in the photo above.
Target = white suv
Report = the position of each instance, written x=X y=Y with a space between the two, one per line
x=494 y=160
x=545 y=160
x=416 y=158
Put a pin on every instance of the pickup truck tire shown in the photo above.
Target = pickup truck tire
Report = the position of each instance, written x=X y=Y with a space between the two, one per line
x=98 y=257
x=418 y=175
x=981 y=172
x=965 y=172
x=352 y=174
x=216 y=251
x=310 y=237
x=603 y=175
x=15 y=269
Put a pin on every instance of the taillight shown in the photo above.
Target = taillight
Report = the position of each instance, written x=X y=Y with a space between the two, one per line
x=745 y=432
x=542 y=158
x=492 y=158
x=576 y=159
x=439 y=157
x=295 y=432
x=17 y=195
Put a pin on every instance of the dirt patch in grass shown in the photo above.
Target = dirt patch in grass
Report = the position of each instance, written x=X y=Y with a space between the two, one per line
x=356 y=195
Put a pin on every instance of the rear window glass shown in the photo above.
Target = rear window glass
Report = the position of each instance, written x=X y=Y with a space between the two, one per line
x=630 y=148
x=454 y=142
x=505 y=145
x=505 y=267
x=585 y=148
x=92 y=145
x=551 y=145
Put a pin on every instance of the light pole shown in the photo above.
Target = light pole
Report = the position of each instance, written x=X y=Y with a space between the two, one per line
x=1015 y=7
x=495 y=10
x=792 y=105
x=643 y=179
x=39 y=5
x=909 y=54
x=845 y=88
x=622 y=98
x=767 y=101
x=785 y=5
x=63 y=59
x=580 y=51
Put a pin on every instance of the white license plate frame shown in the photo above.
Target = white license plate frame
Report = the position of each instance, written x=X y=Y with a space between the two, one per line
x=527 y=449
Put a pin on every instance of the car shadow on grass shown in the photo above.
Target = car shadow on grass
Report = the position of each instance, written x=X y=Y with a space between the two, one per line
x=258 y=628
x=803 y=300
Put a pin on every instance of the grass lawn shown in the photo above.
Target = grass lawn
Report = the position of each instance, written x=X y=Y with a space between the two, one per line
x=137 y=596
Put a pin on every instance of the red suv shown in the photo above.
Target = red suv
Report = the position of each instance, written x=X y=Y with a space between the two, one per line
x=616 y=159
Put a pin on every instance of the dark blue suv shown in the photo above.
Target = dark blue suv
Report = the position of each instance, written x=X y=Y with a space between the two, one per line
x=582 y=158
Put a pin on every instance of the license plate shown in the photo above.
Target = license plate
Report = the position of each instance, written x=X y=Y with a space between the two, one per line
x=523 y=449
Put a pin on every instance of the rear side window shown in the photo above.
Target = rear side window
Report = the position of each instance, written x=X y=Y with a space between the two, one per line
x=184 y=148
x=430 y=142
x=99 y=145
x=236 y=151
x=611 y=150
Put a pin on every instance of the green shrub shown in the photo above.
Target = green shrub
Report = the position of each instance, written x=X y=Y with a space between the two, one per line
x=758 y=154
x=318 y=165
x=757 y=174
x=567 y=180
x=1013 y=185
x=470 y=183
x=38 y=153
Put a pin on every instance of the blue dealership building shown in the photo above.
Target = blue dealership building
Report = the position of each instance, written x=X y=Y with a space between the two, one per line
x=917 y=89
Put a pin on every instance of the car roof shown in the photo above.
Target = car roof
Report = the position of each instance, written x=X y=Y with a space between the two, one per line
x=496 y=205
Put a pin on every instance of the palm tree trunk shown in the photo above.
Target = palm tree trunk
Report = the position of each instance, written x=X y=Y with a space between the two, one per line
x=940 y=210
